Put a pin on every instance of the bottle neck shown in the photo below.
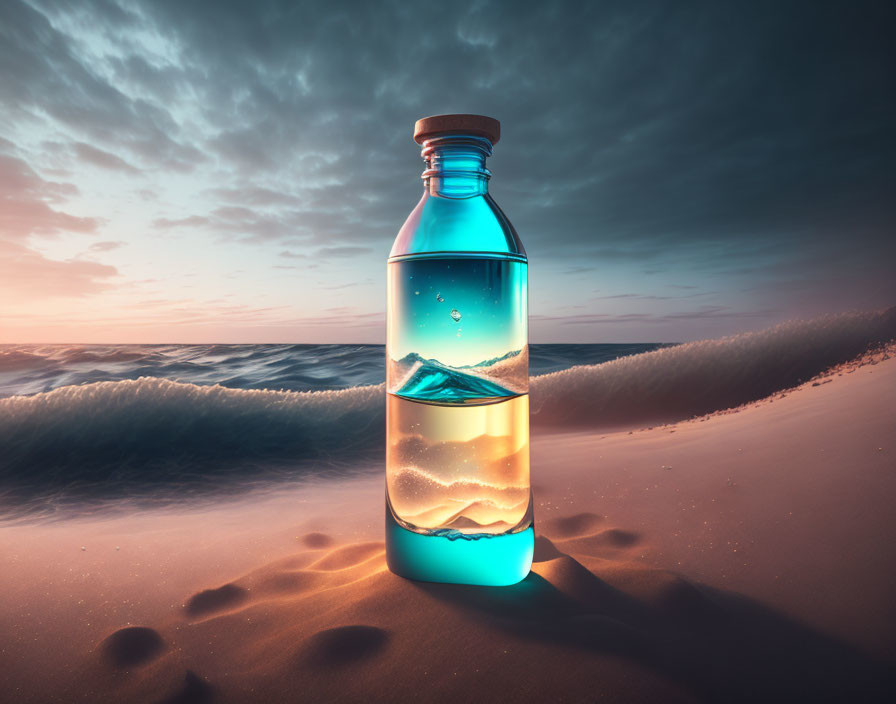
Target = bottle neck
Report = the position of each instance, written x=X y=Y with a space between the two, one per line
x=455 y=166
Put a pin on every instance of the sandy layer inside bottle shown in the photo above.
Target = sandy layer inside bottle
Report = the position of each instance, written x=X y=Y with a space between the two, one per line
x=459 y=468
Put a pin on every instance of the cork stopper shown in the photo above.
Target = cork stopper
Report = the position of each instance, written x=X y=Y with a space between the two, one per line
x=477 y=125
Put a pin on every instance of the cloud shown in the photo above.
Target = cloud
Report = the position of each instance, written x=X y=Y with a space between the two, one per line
x=105 y=246
x=616 y=152
x=703 y=313
x=253 y=195
x=650 y=297
x=52 y=69
x=339 y=252
x=243 y=224
x=188 y=221
x=27 y=275
x=105 y=160
x=610 y=150
x=25 y=199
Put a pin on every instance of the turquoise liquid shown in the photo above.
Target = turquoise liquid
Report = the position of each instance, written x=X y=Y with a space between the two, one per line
x=495 y=561
x=459 y=505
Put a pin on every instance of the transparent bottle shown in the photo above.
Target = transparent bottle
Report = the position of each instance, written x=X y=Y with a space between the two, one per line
x=459 y=503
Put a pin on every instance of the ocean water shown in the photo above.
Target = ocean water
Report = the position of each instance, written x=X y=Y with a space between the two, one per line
x=165 y=422
x=81 y=422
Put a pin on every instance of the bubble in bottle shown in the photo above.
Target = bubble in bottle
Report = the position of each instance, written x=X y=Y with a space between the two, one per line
x=455 y=314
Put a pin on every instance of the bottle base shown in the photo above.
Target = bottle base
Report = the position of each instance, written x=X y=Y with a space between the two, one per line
x=485 y=560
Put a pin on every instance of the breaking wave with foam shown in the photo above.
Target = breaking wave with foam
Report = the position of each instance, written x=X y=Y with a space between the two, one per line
x=697 y=378
x=124 y=436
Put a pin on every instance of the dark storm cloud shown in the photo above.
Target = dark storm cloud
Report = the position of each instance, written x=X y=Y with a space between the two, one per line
x=661 y=122
x=628 y=131
x=47 y=71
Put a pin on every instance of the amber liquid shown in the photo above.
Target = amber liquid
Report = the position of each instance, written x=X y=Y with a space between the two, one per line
x=459 y=468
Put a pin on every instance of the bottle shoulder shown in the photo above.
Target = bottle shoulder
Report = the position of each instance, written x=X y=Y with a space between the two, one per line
x=472 y=225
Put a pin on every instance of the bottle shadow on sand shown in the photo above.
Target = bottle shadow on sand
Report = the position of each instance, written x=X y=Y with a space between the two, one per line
x=720 y=646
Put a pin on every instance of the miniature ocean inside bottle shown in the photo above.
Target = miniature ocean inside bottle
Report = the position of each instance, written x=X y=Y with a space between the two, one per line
x=457 y=456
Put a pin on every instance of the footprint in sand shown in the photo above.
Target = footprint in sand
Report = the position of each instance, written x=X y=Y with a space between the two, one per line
x=211 y=600
x=316 y=540
x=602 y=542
x=134 y=645
x=571 y=526
x=581 y=534
x=616 y=538
x=349 y=556
x=337 y=647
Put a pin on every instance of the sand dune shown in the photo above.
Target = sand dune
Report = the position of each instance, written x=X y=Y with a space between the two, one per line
x=743 y=556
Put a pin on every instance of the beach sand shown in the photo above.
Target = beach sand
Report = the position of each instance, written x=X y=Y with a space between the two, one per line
x=749 y=555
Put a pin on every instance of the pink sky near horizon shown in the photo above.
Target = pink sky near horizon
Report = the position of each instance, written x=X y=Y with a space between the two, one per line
x=72 y=278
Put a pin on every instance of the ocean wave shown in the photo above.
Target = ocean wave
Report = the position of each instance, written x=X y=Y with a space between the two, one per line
x=153 y=431
x=150 y=431
x=15 y=360
x=31 y=369
x=696 y=378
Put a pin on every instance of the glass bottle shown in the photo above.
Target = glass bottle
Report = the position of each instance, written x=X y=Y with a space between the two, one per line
x=458 y=497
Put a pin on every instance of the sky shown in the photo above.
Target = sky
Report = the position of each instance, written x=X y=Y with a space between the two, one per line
x=237 y=171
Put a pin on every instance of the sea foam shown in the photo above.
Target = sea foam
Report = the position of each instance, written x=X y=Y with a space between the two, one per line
x=153 y=430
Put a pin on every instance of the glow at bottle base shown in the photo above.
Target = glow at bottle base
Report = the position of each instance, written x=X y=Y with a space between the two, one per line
x=487 y=560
